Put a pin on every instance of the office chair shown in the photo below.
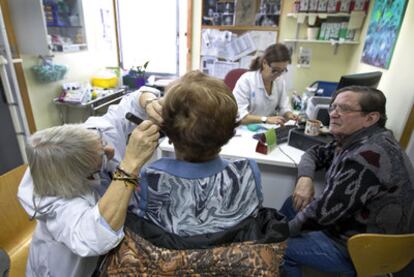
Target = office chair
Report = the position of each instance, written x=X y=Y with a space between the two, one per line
x=379 y=254
x=232 y=76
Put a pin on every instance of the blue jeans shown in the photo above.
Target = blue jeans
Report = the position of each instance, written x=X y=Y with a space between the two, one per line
x=313 y=249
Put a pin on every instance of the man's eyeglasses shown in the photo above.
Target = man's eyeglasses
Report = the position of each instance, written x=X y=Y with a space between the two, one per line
x=342 y=109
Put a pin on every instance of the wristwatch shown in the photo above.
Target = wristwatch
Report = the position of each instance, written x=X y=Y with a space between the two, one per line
x=263 y=119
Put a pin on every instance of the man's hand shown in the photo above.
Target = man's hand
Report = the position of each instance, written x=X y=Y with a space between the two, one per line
x=276 y=120
x=303 y=193
x=141 y=146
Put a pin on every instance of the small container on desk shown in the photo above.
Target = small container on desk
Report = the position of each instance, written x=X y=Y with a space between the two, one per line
x=91 y=107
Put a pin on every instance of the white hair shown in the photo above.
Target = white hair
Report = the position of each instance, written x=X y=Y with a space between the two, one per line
x=61 y=159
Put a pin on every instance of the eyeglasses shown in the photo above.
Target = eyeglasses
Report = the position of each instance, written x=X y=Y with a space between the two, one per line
x=277 y=71
x=101 y=152
x=342 y=109
x=101 y=139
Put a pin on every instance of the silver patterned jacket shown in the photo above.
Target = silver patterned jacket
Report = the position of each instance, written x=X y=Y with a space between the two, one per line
x=198 y=198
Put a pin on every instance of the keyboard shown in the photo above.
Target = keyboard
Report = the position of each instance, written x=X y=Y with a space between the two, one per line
x=282 y=133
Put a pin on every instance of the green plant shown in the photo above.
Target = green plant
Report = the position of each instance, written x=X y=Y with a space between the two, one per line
x=139 y=70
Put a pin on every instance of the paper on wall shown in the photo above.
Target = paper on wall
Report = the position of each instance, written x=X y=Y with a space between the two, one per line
x=214 y=42
x=207 y=64
x=221 y=68
x=263 y=39
x=239 y=47
x=245 y=61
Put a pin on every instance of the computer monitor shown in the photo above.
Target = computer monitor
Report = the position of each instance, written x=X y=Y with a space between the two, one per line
x=369 y=79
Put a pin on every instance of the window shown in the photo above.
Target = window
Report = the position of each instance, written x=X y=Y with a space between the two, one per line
x=150 y=31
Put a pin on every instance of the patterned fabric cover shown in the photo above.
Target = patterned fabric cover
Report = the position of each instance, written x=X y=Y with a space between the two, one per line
x=138 y=257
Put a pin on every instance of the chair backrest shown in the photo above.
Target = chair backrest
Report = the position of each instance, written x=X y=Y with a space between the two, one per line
x=232 y=76
x=377 y=254
x=14 y=221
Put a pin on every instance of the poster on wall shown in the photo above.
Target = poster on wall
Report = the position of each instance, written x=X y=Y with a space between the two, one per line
x=383 y=29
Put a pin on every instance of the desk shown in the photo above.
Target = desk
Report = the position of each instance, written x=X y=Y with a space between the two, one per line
x=91 y=107
x=278 y=171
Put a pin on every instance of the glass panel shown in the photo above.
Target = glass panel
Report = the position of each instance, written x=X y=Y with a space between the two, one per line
x=148 y=32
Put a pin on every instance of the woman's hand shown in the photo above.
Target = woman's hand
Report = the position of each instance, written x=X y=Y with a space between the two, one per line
x=291 y=116
x=303 y=193
x=154 y=110
x=276 y=120
x=141 y=146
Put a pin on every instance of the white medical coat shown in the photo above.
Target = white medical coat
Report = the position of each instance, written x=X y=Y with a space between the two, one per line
x=70 y=233
x=251 y=96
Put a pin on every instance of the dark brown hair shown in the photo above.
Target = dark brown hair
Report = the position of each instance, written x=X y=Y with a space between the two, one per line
x=371 y=100
x=199 y=115
x=274 y=53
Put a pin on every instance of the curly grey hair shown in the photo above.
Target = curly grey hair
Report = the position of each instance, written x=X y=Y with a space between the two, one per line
x=61 y=159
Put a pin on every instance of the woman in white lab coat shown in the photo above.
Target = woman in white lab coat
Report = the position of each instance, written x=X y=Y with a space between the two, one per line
x=261 y=92
x=80 y=210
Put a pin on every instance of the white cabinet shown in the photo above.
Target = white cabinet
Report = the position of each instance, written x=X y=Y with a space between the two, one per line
x=45 y=26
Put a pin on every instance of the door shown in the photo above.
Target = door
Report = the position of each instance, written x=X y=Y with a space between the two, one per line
x=10 y=155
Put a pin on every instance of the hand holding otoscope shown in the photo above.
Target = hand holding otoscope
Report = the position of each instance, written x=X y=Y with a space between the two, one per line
x=135 y=119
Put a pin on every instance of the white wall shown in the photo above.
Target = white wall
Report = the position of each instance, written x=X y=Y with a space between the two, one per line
x=397 y=82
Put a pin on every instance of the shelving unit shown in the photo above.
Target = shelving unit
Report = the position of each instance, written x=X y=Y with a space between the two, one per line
x=301 y=18
x=320 y=15
x=241 y=28
x=331 y=41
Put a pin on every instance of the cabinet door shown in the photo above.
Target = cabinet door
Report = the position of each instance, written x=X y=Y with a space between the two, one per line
x=29 y=26
x=42 y=26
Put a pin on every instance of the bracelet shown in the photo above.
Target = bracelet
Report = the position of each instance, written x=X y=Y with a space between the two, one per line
x=121 y=175
x=120 y=169
x=149 y=101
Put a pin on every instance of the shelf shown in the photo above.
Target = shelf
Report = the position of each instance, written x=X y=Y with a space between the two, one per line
x=320 y=15
x=69 y=47
x=332 y=41
x=241 y=28
x=56 y=26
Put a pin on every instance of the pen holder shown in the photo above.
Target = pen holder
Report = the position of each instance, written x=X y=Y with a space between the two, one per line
x=267 y=142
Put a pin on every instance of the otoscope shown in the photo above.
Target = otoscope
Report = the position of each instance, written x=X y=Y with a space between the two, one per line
x=135 y=119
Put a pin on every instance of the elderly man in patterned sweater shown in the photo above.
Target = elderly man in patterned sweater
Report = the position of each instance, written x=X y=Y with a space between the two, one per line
x=369 y=186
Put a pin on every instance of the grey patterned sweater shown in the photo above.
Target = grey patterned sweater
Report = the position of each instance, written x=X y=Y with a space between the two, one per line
x=199 y=198
x=369 y=187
